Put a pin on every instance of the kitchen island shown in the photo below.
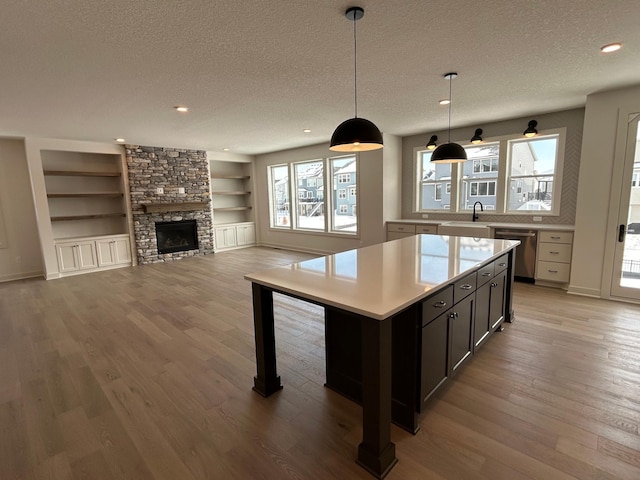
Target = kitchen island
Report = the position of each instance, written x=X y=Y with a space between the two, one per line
x=401 y=318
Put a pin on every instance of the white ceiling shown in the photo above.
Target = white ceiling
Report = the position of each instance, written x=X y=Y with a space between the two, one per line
x=256 y=73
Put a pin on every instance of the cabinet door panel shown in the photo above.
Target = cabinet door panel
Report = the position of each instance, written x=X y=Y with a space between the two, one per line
x=246 y=234
x=66 y=258
x=122 y=250
x=87 y=257
x=498 y=286
x=461 y=331
x=105 y=253
x=434 y=368
x=483 y=305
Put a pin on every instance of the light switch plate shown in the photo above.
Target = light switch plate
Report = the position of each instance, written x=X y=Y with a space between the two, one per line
x=180 y=189
x=537 y=219
x=425 y=215
x=159 y=190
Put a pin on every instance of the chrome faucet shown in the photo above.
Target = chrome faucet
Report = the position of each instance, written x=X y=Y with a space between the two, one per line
x=475 y=215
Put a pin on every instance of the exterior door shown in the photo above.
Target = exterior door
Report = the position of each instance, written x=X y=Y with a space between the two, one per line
x=626 y=269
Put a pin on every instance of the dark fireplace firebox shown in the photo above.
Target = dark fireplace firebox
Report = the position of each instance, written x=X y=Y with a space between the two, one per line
x=177 y=236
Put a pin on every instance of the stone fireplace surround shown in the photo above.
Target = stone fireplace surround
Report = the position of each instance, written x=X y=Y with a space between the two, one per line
x=150 y=168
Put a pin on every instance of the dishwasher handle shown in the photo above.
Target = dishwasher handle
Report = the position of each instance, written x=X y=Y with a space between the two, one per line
x=515 y=234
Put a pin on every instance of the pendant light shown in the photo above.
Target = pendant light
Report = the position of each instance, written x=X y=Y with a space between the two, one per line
x=356 y=134
x=449 y=152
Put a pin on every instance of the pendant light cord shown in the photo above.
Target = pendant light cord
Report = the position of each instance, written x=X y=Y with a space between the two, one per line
x=355 y=66
x=450 y=80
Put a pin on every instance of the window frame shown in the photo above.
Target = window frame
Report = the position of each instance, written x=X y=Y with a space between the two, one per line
x=330 y=189
x=502 y=181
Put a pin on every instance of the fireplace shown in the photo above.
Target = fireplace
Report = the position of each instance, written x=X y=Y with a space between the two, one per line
x=177 y=236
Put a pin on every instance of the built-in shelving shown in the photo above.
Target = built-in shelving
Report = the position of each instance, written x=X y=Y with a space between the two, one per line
x=87 y=217
x=77 y=173
x=232 y=204
x=85 y=193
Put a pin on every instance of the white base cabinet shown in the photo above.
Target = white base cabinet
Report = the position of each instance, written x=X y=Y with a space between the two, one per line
x=554 y=257
x=92 y=253
x=235 y=235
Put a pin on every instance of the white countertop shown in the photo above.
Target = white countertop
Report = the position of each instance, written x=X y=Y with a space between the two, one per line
x=380 y=280
x=527 y=226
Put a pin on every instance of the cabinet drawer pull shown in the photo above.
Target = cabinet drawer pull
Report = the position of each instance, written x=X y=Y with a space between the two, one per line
x=487 y=274
x=466 y=286
x=552 y=271
x=440 y=304
x=400 y=228
x=554 y=253
x=555 y=238
x=502 y=264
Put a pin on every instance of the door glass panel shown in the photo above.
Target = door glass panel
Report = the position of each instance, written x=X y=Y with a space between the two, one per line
x=626 y=279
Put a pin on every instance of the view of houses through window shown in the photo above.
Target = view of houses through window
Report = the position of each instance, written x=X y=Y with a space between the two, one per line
x=530 y=167
x=321 y=186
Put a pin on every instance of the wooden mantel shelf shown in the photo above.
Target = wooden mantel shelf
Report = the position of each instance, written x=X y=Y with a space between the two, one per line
x=174 y=207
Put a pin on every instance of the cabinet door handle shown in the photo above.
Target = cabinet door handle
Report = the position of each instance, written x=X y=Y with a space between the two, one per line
x=440 y=304
x=494 y=284
x=453 y=315
x=466 y=286
x=487 y=274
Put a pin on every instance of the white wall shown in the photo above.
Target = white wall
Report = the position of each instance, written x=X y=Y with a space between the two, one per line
x=601 y=157
x=378 y=198
x=20 y=255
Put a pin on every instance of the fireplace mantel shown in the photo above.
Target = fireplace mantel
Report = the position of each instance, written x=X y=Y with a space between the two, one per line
x=174 y=207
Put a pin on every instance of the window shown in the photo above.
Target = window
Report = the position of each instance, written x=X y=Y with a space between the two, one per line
x=533 y=166
x=430 y=176
x=509 y=175
x=482 y=189
x=309 y=205
x=279 y=195
x=480 y=175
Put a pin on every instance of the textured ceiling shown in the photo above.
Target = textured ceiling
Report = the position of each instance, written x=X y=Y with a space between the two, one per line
x=256 y=73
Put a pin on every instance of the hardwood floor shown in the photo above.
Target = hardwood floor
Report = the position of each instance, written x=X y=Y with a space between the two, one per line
x=146 y=373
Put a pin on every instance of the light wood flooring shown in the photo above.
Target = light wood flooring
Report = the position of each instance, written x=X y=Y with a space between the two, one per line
x=146 y=373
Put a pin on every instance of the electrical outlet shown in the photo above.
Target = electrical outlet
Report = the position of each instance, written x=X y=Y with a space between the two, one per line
x=180 y=189
x=159 y=190
x=537 y=219
x=425 y=215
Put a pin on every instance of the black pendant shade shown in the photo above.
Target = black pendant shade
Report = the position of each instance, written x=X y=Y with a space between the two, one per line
x=356 y=134
x=449 y=153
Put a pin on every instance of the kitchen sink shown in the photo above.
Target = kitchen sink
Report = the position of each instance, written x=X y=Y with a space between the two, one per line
x=465 y=229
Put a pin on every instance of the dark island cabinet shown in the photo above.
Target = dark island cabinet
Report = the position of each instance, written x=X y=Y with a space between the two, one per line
x=431 y=340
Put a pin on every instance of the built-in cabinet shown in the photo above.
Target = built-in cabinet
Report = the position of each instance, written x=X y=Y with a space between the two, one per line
x=88 y=211
x=89 y=254
x=231 y=200
x=553 y=259
x=401 y=230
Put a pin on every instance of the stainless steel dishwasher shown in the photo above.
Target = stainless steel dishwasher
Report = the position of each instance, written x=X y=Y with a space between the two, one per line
x=525 y=267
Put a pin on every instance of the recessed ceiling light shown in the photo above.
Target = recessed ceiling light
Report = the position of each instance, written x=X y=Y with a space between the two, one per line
x=226 y=149
x=181 y=108
x=612 y=47
x=307 y=130
x=119 y=140
x=444 y=101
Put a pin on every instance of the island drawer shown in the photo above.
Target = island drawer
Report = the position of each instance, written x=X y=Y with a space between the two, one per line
x=556 y=237
x=465 y=287
x=401 y=227
x=486 y=273
x=501 y=264
x=437 y=304
x=432 y=229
